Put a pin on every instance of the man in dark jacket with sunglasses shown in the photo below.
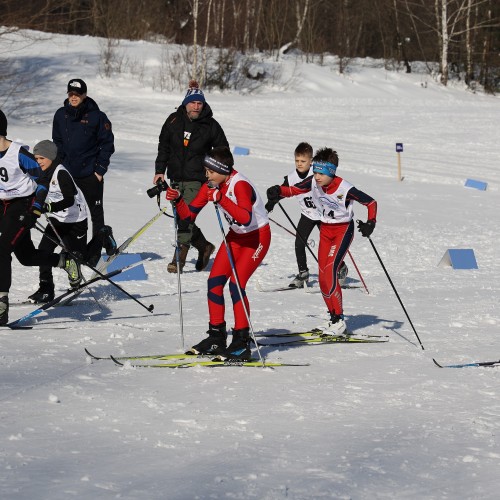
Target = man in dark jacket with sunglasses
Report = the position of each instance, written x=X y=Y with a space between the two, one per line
x=85 y=143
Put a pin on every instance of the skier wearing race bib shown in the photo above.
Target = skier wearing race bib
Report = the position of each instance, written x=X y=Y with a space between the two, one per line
x=333 y=197
x=248 y=241
x=67 y=212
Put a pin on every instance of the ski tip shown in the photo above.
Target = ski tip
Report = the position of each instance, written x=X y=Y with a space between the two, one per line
x=117 y=362
x=88 y=353
x=436 y=363
x=17 y=326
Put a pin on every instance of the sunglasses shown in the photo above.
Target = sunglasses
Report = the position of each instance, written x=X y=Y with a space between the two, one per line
x=71 y=94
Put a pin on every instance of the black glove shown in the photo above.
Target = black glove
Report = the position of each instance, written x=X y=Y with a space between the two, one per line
x=366 y=228
x=29 y=218
x=269 y=206
x=274 y=194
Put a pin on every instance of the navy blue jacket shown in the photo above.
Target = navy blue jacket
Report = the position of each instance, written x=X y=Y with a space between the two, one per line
x=84 y=138
x=183 y=160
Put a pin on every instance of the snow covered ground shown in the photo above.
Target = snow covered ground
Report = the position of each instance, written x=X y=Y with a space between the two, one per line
x=361 y=421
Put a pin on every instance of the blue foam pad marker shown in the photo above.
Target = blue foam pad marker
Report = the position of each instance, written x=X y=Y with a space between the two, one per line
x=125 y=259
x=459 y=258
x=241 y=151
x=471 y=183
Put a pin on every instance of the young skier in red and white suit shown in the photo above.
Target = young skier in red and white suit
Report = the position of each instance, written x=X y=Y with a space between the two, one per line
x=334 y=197
x=248 y=241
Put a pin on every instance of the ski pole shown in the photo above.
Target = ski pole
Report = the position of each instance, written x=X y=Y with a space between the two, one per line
x=103 y=276
x=237 y=281
x=358 y=271
x=63 y=246
x=16 y=323
x=286 y=229
x=179 y=285
x=296 y=230
x=395 y=291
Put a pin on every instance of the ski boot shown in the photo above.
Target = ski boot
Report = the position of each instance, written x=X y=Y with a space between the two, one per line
x=239 y=349
x=72 y=267
x=300 y=280
x=214 y=343
x=44 y=294
x=336 y=325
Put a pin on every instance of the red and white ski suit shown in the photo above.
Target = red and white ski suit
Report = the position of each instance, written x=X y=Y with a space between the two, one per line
x=248 y=241
x=336 y=230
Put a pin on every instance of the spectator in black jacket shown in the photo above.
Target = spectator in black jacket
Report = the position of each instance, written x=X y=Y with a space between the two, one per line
x=186 y=137
x=85 y=143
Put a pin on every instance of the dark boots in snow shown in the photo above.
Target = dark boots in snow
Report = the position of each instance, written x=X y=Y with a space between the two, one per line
x=239 y=347
x=215 y=343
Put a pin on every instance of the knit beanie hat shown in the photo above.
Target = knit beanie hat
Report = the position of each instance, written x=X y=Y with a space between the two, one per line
x=220 y=160
x=47 y=149
x=194 y=93
x=3 y=124
x=77 y=85
x=216 y=166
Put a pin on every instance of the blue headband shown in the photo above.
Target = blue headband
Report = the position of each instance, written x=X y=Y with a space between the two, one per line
x=324 y=167
x=216 y=166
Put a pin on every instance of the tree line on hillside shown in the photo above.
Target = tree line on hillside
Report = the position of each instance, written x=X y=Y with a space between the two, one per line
x=462 y=36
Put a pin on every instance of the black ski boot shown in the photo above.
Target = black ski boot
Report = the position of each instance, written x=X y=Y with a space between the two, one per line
x=215 y=343
x=4 y=310
x=44 y=294
x=108 y=240
x=239 y=347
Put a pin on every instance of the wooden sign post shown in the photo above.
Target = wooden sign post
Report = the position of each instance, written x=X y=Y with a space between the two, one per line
x=399 y=150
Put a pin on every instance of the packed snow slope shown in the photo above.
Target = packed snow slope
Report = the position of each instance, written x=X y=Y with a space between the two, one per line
x=360 y=421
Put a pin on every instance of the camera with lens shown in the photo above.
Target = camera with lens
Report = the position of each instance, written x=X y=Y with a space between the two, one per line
x=157 y=189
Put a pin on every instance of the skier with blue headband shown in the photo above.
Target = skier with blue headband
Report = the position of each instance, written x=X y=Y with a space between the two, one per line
x=333 y=197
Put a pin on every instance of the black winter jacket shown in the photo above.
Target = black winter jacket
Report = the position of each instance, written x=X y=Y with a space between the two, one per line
x=84 y=138
x=185 y=163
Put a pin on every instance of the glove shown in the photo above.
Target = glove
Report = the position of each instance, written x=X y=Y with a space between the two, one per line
x=29 y=218
x=366 y=228
x=274 y=194
x=269 y=206
x=172 y=194
x=213 y=194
